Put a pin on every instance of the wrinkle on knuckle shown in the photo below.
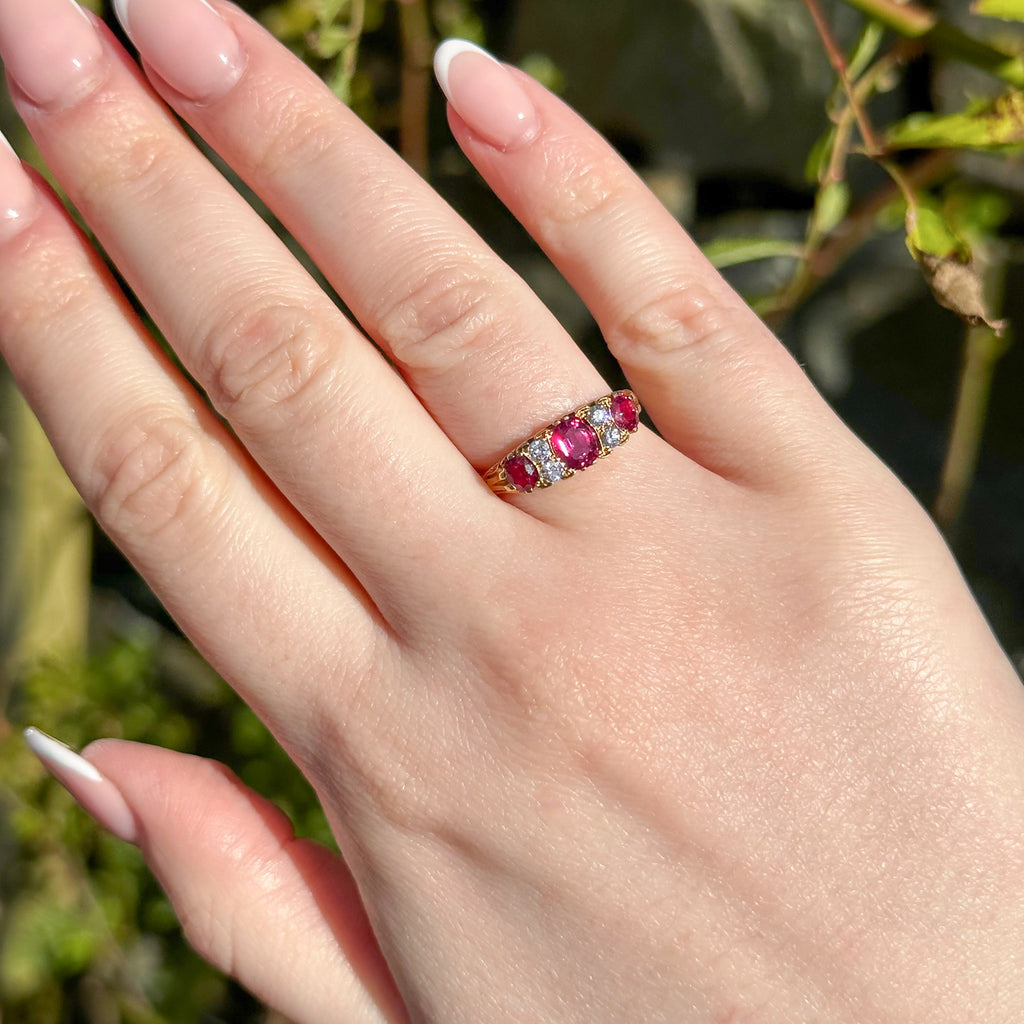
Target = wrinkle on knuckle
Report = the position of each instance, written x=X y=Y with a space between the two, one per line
x=274 y=361
x=60 y=296
x=454 y=310
x=585 y=184
x=298 y=130
x=683 y=316
x=137 y=159
x=150 y=475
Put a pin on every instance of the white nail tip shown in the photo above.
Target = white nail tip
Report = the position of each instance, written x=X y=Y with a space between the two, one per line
x=447 y=52
x=53 y=752
x=121 y=10
x=6 y=145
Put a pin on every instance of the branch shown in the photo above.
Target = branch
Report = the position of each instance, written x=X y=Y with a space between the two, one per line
x=916 y=22
x=838 y=61
x=417 y=55
x=858 y=227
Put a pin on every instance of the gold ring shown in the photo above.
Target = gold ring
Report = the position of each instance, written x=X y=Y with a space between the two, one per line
x=567 y=446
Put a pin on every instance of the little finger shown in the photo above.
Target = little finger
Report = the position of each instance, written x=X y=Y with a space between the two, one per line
x=280 y=914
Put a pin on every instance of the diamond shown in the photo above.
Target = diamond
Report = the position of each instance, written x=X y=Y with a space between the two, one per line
x=574 y=441
x=624 y=411
x=539 y=451
x=598 y=415
x=552 y=471
x=522 y=473
x=612 y=437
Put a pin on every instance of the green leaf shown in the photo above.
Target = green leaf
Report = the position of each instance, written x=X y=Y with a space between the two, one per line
x=1008 y=10
x=330 y=41
x=867 y=47
x=729 y=252
x=830 y=207
x=998 y=124
x=820 y=156
x=928 y=234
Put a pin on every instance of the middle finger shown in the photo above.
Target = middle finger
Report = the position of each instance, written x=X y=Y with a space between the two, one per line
x=480 y=350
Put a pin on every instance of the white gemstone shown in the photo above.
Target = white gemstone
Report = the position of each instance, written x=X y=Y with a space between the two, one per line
x=598 y=415
x=539 y=451
x=552 y=470
x=611 y=436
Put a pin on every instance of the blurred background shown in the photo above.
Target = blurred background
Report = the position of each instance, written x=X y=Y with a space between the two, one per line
x=855 y=168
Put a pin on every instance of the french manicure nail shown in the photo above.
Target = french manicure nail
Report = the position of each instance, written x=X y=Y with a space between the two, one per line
x=19 y=201
x=51 y=49
x=484 y=94
x=96 y=793
x=187 y=43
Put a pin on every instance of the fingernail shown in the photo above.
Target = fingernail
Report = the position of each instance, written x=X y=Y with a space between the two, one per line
x=50 y=49
x=96 y=793
x=484 y=94
x=19 y=201
x=187 y=43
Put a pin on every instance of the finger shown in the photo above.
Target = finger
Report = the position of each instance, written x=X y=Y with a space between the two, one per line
x=163 y=476
x=716 y=382
x=475 y=344
x=312 y=401
x=281 y=915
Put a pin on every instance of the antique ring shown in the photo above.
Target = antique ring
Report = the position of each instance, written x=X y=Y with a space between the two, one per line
x=567 y=446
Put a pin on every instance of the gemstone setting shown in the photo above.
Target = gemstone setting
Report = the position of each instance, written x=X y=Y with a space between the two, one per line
x=552 y=471
x=624 y=411
x=521 y=473
x=612 y=436
x=540 y=451
x=562 y=449
x=575 y=442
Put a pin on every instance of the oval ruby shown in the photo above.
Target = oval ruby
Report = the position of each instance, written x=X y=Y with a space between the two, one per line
x=522 y=473
x=624 y=412
x=574 y=441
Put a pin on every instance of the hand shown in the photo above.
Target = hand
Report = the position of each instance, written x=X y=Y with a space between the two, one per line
x=713 y=731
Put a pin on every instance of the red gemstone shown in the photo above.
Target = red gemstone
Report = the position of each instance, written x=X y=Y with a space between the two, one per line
x=522 y=473
x=624 y=412
x=574 y=440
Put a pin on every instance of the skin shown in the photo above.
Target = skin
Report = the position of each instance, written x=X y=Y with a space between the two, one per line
x=712 y=733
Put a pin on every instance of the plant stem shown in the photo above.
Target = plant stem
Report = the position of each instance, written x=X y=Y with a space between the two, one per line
x=916 y=22
x=908 y=19
x=858 y=227
x=982 y=350
x=417 y=54
x=350 y=55
x=838 y=61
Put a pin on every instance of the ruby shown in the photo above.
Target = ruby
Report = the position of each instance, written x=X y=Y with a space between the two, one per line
x=522 y=473
x=624 y=411
x=574 y=441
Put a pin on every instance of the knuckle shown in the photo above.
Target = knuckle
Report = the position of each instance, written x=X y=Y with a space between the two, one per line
x=273 y=361
x=684 y=316
x=454 y=310
x=150 y=475
x=54 y=296
x=139 y=157
x=585 y=184
x=298 y=131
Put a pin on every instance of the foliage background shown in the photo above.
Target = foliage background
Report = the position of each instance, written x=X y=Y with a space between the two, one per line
x=719 y=104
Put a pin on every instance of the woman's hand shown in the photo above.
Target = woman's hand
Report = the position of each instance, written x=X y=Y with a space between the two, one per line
x=712 y=731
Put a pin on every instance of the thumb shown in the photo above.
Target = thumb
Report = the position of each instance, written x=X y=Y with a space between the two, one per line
x=281 y=915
